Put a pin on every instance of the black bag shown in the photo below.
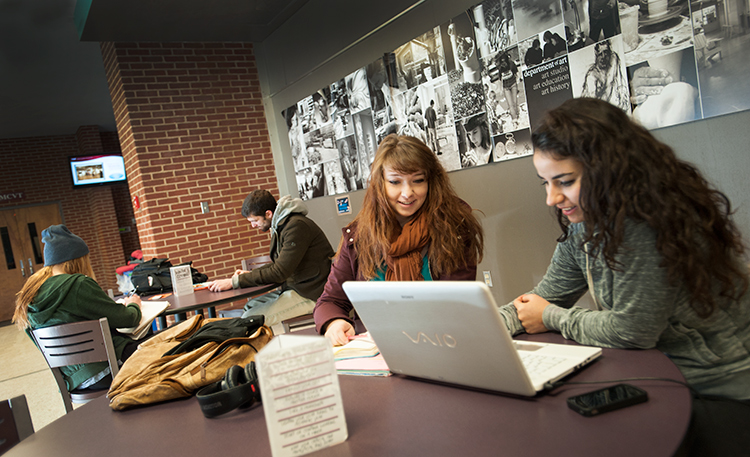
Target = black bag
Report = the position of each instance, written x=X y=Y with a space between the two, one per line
x=152 y=277
x=219 y=331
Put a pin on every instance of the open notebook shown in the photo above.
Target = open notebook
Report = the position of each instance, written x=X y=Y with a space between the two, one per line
x=451 y=332
x=149 y=311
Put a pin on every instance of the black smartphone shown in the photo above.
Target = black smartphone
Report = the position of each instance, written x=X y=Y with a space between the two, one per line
x=607 y=399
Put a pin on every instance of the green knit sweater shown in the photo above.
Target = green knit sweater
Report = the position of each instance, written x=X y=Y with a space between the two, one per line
x=73 y=298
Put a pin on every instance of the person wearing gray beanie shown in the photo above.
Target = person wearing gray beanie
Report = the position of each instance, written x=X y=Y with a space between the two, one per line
x=65 y=291
x=61 y=245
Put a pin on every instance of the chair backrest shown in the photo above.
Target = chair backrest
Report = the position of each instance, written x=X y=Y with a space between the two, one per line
x=75 y=343
x=15 y=422
x=255 y=262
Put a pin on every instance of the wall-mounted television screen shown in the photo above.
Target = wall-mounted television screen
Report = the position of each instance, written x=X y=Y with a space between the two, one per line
x=97 y=169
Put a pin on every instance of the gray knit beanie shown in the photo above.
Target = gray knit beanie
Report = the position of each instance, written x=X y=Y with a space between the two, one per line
x=60 y=245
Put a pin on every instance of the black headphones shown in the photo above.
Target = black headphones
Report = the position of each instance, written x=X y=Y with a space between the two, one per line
x=238 y=389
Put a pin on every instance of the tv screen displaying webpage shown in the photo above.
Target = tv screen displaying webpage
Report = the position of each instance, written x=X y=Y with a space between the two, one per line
x=97 y=169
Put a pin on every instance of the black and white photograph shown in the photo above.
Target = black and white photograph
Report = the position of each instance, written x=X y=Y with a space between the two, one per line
x=377 y=82
x=590 y=21
x=722 y=47
x=535 y=16
x=547 y=85
x=312 y=182
x=512 y=145
x=464 y=76
x=420 y=60
x=339 y=97
x=321 y=110
x=493 y=70
x=662 y=30
x=380 y=99
x=351 y=167
x=319 y=145
x=365 y=137
x=468 y=98
x=445 y=142
x=365 y=134
x=474 y=141
x=531 y=51
x=409 y=113
x=296 y=137
x=357 y=90
x=664 y=90
x=599 y=71
x=342 y=123
x=334 y=177
x=460 y=48
x=553 y=43
x=504 y=92
x=494 y=26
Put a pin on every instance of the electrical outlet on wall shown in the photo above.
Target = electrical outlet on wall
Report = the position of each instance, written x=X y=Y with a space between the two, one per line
x=487 y=278
x=204 y=207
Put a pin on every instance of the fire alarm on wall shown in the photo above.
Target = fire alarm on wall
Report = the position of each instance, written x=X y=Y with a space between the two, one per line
x=136 y=203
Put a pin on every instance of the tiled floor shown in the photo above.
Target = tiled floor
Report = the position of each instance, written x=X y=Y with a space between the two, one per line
x=24 y=371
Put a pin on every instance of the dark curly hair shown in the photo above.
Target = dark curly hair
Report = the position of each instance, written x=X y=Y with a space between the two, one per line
x=257 y=203
x=629 y=174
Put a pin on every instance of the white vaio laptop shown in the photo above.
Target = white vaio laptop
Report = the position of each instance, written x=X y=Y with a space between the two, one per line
x=451 y=332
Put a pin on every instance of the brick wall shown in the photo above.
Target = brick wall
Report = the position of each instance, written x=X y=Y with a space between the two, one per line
x=38 y=167
x=192 y=129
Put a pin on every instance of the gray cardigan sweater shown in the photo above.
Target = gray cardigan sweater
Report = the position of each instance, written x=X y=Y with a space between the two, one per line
x=639 y=309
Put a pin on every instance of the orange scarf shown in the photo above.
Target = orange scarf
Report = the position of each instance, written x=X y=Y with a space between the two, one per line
x=404 y=258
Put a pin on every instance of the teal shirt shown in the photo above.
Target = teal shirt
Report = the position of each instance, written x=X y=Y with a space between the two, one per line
x=380 y=274
x=73 y=298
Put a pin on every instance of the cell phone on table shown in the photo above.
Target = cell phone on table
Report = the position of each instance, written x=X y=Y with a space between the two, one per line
x=607 y=399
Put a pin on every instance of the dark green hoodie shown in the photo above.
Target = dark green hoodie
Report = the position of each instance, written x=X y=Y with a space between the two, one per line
x=73 y=298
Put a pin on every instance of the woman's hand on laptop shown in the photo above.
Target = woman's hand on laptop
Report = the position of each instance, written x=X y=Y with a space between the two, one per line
x=529 y=308
x=339 y=331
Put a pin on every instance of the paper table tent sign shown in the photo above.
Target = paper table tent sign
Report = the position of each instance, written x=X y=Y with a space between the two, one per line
x=301 y=395
x=182 y=280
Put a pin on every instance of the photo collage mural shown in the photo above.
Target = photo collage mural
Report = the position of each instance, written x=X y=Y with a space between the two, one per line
x=473 y=87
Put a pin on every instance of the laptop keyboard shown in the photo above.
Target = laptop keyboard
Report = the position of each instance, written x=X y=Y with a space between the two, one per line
x=537 y=364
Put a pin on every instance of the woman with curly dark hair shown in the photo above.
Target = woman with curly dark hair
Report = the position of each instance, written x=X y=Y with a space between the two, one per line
x=412 y=226
x=650 y=239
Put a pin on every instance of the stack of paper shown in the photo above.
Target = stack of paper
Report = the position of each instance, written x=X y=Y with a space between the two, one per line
x=361 y=357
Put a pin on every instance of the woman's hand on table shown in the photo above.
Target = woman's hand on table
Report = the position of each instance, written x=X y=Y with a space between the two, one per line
x=339 y=331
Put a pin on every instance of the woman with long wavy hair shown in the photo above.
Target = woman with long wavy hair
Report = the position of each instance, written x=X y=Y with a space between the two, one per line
x=652 y=242
x=65 y=291
x=412 y=226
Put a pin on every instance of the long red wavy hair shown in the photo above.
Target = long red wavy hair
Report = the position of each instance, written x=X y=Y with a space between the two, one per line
x=456 y=236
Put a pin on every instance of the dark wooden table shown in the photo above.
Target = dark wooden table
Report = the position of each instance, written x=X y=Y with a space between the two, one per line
x=398 y=416
x=202 y=299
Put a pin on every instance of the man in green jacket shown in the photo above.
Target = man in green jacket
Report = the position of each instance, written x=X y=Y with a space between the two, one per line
x=300 y=253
